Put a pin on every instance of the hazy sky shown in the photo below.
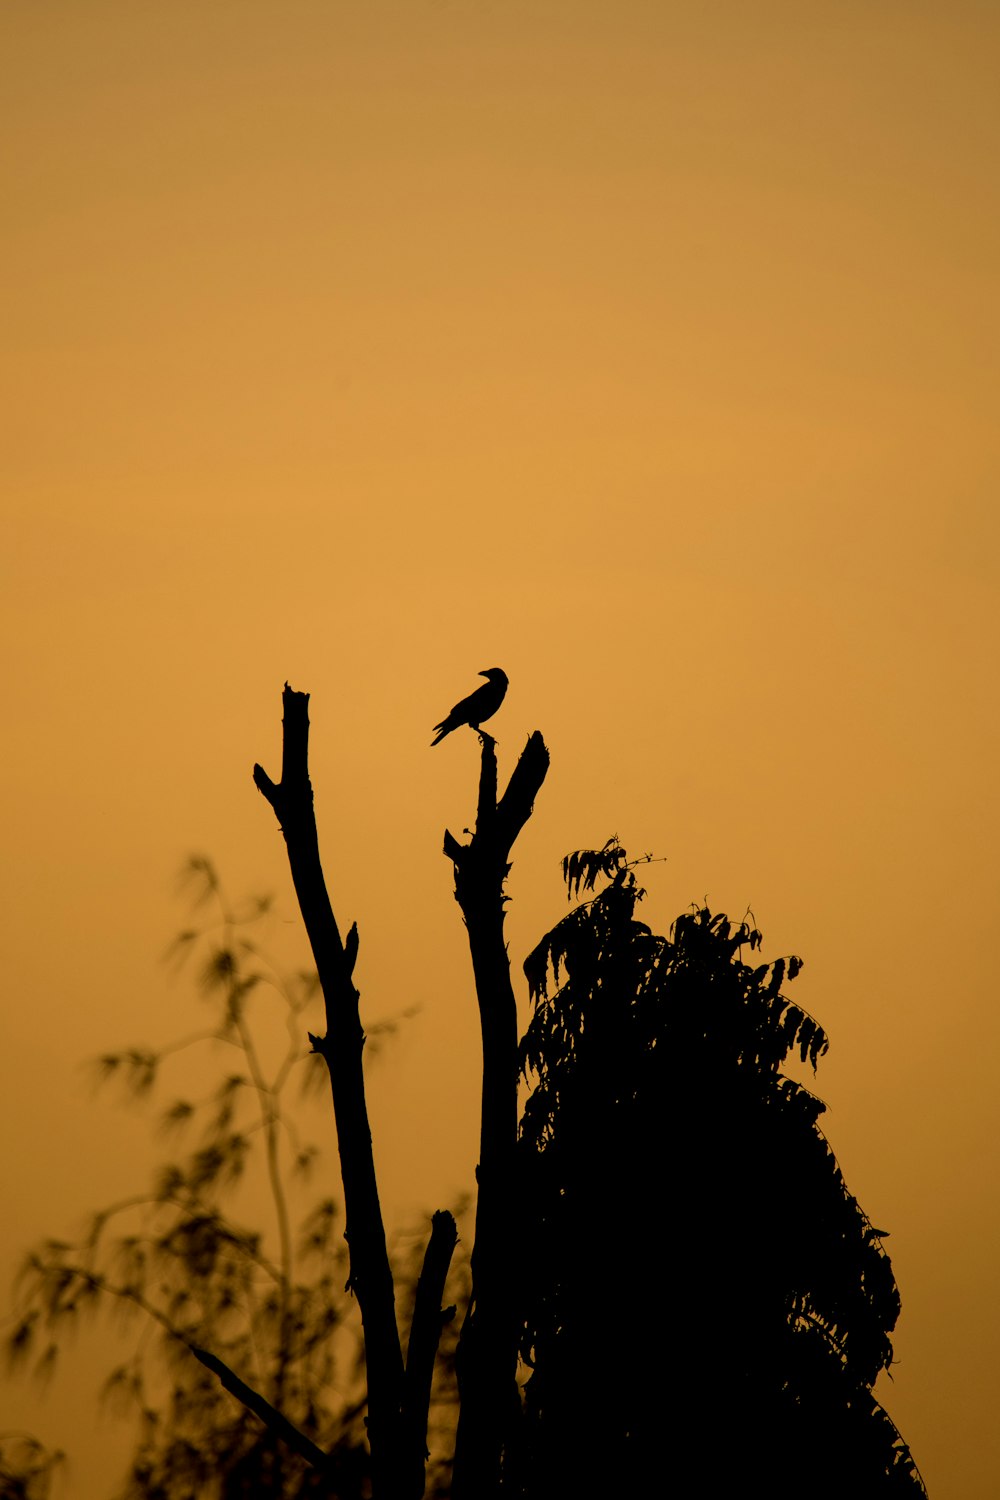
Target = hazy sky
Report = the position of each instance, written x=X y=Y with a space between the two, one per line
x=646 y=350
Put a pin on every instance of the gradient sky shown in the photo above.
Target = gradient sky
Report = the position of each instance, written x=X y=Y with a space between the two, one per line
x=647 y=350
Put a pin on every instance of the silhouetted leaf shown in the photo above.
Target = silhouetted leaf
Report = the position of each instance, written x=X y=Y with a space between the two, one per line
x=176 y=1115
x=585 y=867
x=21 y=1339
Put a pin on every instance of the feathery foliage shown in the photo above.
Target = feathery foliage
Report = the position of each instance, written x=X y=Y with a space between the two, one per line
x=269 y=1302
x=26 y=1467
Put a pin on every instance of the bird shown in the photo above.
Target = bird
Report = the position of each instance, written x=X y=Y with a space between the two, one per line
x=480 y=705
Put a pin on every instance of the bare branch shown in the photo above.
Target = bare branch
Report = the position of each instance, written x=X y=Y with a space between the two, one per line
x=488 y=1343
x=370 y=1272
x=268 y=1414
x=428 y=1319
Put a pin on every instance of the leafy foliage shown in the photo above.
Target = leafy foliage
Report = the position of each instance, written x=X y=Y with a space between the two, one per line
x=672 y=1168
x=271 y=1305
x=704 y=1307
x=584 y=868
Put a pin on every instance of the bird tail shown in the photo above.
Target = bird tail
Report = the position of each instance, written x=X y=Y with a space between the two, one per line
x=442 y=729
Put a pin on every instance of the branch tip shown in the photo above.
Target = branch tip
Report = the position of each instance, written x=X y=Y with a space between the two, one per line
x=452 y=848
x=351 y=948
x=264 y=784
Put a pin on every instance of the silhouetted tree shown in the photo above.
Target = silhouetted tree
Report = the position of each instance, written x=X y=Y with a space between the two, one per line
x=706 y=1306
x=224 y=1303
x=666 y=1240
x=487 y=1354
x=489 y=1409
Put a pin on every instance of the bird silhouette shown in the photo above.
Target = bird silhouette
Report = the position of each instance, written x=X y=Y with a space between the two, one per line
x=480 y=705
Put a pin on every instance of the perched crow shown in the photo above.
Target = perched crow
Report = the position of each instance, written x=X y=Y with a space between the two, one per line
x=480 y=705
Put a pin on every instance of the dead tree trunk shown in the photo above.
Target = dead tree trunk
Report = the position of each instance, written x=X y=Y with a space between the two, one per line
x=397 y=1400
x=488 y=1344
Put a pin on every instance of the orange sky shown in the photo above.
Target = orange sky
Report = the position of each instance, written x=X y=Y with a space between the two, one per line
x=648 y=351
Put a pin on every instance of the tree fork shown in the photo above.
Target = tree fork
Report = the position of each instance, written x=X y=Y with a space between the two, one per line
x=488 y=1343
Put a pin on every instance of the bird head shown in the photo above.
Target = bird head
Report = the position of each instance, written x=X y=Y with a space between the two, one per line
x=494 y=674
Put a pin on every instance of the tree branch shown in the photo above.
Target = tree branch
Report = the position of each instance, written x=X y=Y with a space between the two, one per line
x=428 y=1319
x=486 y=809
x=488 y=1343
x=268 y=1414
x=515 y=806
x=396 y=1466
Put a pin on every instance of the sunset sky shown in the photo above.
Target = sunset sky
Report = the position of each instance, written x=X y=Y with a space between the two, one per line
x=648 y=351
